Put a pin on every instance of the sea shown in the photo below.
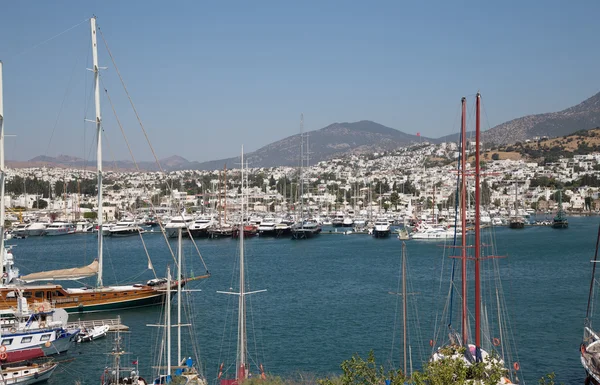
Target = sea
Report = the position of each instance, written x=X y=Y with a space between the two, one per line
x=326 y=299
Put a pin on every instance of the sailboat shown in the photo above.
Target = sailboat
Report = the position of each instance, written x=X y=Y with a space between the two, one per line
x=516 y=221
x=120 y=373
x=305 y=227
x=590 y=346
x=243 y=369
x=488 y=351
x=185 y=368
x=99 y=298
x=560 y=221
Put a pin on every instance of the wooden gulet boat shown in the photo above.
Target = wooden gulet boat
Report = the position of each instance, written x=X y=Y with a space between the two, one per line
x=99 y=298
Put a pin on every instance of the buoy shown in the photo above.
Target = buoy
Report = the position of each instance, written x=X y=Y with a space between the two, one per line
x=431 y=343
x=582 y=348
x=48 y=344
x=496 y=341
x=516 y=366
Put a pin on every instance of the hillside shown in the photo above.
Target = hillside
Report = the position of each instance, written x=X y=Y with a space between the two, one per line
x=583 y=116
x=334 y=140
x=548 y=150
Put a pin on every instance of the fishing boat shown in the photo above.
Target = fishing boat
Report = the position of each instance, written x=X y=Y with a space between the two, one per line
x=492 y=345
x=83 y=299
x=560 y=221
x=242 y=365
x=27 y=333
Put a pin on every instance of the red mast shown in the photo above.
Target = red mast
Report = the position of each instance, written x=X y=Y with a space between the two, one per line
x=463 y=214
x=477 y=232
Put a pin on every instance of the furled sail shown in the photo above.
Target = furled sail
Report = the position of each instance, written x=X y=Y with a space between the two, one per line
x=63 y=274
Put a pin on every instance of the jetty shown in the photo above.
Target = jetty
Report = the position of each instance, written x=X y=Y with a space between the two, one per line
x=114 y=324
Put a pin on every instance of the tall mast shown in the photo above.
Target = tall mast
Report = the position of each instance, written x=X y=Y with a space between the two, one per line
x=168 y=323
x=477 y=232
x=241 y=359
x=301 y=181
x=404 y=305
x=2 y=176
x=99 y=143
x=225 y=183
x=463 y=219
x=179 y=253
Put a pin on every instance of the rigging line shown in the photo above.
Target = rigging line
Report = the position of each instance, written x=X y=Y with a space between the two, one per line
x=47 y=40
x=130 y=100
x=458 y=168
x=62 y=103
x=149 y=144
x=138 y=169
x=587 y=314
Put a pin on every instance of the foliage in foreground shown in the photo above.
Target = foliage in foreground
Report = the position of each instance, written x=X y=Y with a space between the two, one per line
x=358 y=371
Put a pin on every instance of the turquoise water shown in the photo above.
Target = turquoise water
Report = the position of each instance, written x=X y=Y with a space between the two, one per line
x=327 y=298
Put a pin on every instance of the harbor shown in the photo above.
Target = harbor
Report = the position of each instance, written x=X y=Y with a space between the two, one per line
x=327 y=298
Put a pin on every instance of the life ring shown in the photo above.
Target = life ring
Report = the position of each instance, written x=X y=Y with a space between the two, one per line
x=496 y=341
x=13 y=330
x=2 y=348
x=516 y=366
x=3 y=356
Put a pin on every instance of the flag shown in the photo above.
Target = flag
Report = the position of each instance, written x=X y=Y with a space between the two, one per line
x=135 y=362
x=418 y=134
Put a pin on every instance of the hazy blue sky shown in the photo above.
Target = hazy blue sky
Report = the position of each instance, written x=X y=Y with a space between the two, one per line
x=209 y=76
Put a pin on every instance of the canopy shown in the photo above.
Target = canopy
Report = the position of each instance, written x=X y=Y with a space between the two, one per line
x=63 y=274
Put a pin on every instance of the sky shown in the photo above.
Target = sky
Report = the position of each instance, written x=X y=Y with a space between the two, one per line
x=207 y=77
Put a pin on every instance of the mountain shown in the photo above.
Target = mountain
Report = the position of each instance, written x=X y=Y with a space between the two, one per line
x=583 y=116
x=334 y=140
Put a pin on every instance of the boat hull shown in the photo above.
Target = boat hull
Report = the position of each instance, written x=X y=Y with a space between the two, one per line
x=89 y=300
x=381 y=233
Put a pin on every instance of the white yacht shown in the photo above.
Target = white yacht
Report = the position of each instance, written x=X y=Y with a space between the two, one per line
x=199 y=228
x=181 y=221
x=59 y=228
x=267 y=226
x=37 y=229
x=381 y=228
x=125 y=228
x=433 y=232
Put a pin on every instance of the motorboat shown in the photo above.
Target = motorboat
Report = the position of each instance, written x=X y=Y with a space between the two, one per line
x=59 y=228
x=381 y=228
x=181 y=221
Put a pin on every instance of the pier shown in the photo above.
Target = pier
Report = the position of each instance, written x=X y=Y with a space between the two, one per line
x=113 y=323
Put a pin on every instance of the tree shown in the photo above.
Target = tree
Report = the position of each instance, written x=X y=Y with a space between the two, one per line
x=90 y=215
x=40 y=204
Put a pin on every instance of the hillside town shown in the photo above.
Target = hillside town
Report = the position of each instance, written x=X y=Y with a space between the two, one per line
x=403 y=183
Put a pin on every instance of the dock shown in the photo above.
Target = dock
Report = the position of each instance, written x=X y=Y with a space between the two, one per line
x=114 y=324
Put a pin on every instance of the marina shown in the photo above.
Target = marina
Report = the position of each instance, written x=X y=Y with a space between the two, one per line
x=314 y=286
